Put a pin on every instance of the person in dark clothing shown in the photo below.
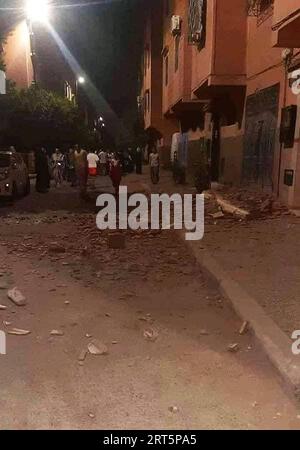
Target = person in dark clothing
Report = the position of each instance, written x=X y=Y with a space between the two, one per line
x=71 y=175
x=42 y=171
x=139 y=160
x=116 y=173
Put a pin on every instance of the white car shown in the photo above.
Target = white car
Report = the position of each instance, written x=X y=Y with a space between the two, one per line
x=14 y=176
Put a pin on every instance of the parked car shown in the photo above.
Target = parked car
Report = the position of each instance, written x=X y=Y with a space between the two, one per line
x=14 y=176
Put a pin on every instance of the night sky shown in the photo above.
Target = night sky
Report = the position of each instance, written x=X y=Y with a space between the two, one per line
x=105 y=39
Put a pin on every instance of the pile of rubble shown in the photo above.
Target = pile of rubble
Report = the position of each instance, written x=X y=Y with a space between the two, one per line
x=246 y=204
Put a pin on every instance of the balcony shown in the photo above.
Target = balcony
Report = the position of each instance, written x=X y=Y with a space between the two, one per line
x=286 y=24
x=220 y=60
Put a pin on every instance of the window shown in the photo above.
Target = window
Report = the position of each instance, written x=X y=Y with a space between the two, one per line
x=197 y=22
x=167 y=70
x=177 y=46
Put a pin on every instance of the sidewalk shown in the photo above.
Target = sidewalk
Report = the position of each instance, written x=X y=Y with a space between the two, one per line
x=262 y=255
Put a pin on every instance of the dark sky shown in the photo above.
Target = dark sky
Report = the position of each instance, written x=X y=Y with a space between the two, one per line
x=105 y=39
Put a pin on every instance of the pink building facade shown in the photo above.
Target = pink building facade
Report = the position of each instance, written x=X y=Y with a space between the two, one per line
x=227 y=71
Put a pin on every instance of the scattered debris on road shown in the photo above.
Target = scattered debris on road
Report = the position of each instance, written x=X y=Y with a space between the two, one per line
x=57 y=333
x=18 y=332
x=244 y=328
x=233 y=348
x=151 y=334
x=97 y=348
x=16 y=296
x=173 y=409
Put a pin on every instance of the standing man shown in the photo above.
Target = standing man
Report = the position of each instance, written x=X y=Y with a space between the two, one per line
x=103 y=159
x=116 y=173
x=93 y=160
x=42 y=171
x=58 y=164
x=81 y=169
x=154 y=165
x=139 y=160
x=71 y=176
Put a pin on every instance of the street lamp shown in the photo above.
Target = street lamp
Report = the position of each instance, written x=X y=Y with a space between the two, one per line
x=37 y=10
x=81 y=80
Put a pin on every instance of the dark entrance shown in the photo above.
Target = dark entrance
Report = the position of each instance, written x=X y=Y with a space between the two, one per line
x=259 y=139
x=215 y=149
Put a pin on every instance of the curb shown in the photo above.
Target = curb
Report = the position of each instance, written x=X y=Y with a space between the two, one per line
x=272 y=339
x=274 y=342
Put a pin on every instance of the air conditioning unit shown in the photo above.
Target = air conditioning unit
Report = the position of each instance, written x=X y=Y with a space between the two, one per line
x=176 y=25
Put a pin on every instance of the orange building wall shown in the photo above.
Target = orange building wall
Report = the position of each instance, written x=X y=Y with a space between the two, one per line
x=265 y=67
x=17 y=56
x=222 y=61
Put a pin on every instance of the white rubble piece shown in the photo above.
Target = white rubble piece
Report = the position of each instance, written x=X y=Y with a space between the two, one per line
x=16 y=296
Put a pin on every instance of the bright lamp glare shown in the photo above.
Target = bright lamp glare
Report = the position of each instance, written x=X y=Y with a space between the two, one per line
x=37 y=10
x=81 y=80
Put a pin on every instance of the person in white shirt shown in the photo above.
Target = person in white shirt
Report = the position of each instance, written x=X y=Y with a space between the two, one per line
x=93 y=161
x=103 y=161
x=154 y=165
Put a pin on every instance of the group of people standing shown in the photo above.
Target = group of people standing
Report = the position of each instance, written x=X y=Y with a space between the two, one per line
x=76 y=166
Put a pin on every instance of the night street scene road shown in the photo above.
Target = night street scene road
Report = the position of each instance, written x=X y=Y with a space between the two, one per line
x=149 y=219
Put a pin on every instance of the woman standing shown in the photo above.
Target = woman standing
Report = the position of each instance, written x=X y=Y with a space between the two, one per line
x=42 y=171
x=116 y=173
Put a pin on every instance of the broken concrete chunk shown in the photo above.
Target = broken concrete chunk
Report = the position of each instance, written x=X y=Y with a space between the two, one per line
x=173 y=409
x=204 y=332
x=233 y=348
x=16 y=297
x=244 y=328
x=217 y=215
x=18 y=332
x=57 y=333
x=97 y=348
x=151 y=334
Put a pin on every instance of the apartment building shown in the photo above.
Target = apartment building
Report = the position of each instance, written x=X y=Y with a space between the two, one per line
x=16 y=53
x=30 y=56
x=227 y=71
